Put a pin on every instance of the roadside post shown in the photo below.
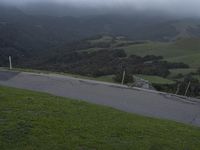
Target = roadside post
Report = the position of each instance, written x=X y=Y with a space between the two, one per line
x=124 y=73
x=187 y=88
x=10 y=62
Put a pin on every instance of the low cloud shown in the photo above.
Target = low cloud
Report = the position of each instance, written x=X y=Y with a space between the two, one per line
x=173 y=7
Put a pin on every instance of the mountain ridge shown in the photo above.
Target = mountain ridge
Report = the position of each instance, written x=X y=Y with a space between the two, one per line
x=28 y=35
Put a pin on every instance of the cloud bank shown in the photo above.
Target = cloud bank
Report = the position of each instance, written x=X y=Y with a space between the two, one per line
x=173 y=7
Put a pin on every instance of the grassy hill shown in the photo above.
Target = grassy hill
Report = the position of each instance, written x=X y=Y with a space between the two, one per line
x=156 y=79
x=51 y=43
x=186 y=50
x=30 y=120
x=182 y=50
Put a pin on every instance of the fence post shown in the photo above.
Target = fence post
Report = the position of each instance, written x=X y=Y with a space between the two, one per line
x=187 y=88
x=10 y=62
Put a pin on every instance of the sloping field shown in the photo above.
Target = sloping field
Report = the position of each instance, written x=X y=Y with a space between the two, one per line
x=183 y=50
x=30 y=120
x=155 y=79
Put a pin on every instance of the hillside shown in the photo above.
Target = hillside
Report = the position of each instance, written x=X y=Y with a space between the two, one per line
x=47 y=32
x=101 y=45
x=23 y=35
x=186 y=50
x=183 y=50
x=31 y=120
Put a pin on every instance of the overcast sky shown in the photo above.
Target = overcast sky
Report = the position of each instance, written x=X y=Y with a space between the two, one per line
x=183 y=7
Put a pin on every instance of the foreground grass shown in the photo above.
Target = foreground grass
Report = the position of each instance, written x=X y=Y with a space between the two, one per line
x=30 y=120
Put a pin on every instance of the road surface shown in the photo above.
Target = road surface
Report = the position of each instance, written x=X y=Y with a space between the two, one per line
x=133 y=100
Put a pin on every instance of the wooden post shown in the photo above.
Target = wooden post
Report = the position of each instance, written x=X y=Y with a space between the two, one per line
x=10 y=62
x=124 y=73
x=187 y=88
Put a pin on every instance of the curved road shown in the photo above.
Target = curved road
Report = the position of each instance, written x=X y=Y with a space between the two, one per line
x=143 y=102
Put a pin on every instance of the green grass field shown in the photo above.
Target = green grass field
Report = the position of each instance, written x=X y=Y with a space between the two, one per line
x=184 y=50
x=103 y=39
x=36 y=121
x=108 y=78
x=156 y=79
x=197 y=77
x=175 y=72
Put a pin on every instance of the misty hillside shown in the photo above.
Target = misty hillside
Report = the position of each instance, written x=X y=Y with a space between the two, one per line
x=136 y=26
x=22 y=34
x=101 y=46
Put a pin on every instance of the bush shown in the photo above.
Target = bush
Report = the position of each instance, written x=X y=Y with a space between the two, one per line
x=194 y=89
x=169 y=88
x=128 y=78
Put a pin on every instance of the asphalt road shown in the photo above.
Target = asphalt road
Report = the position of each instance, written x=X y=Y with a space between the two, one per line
x=137 y=101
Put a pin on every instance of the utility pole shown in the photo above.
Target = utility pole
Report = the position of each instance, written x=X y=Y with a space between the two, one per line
x=10 y=62
x=123 y=77
x=187 y=88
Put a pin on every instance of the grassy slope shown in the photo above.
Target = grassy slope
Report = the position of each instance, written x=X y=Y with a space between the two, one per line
x=30 y=120
x=185 y=50
x=108 y=78
x=197 y=77
x=175 y=72
x=156 y=79
x=104 y=39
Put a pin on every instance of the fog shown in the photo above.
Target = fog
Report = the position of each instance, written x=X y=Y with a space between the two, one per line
x=187 y=8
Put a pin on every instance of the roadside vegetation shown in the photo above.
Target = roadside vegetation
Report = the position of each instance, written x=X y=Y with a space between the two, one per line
x=156 y=79
x=31 y=120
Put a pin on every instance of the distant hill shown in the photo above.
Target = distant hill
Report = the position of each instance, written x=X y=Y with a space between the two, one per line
x=185 y=50
x=137 y=26
x=26 y=36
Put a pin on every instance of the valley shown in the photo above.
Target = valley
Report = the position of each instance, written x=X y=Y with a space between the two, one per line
x=99 y=74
